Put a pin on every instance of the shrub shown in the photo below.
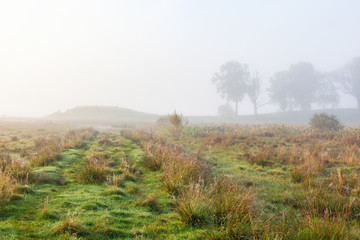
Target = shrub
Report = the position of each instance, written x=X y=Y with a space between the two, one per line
x=176 y=123
x=325 y=122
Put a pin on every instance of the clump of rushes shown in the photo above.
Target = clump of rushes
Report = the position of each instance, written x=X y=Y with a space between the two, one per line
x=192 y=205
x=311 y=227
x=45 y=209
x=152 y=202
x=128 y=170
x=46 y=149
x=116 y=181
x=183 y=170
x=18 y=169
x=95 y=171
x=7 y=185
x=156 y=155
x=70 y=224
x=178 y=169
x=222 y=203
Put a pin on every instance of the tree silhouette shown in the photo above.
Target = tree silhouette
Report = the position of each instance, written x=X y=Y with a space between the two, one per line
x=231 y=81
x=296 y=87
x=328 y=92
x=351 y=79
x=254 y=91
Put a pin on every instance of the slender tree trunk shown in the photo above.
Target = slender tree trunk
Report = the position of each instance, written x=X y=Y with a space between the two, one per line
x=255 y=108
x=236 y=108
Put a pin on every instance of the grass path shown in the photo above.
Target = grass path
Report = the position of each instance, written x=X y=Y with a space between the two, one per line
x=140 y=208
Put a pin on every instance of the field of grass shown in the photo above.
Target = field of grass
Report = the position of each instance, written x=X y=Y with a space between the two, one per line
x=211 y=182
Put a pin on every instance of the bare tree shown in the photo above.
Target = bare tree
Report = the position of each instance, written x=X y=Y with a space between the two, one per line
x=254 y=91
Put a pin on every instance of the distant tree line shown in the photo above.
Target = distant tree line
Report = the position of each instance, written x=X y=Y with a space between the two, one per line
x=297 y=88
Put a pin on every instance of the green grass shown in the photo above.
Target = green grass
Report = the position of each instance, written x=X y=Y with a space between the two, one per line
x=131 y=200
x=93 y=211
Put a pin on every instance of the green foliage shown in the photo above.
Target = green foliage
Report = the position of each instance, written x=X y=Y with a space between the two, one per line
x=325 y=122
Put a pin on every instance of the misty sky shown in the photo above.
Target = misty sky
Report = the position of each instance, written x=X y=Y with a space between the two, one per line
x=157 y=56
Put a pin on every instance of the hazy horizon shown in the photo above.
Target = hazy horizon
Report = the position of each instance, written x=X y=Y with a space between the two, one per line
x=159 y=56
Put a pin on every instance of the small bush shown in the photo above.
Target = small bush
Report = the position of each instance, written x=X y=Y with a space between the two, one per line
x=177 y=124
x=325 y=122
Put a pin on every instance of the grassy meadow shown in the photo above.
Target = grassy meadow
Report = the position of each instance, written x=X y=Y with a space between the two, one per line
x=179 y=182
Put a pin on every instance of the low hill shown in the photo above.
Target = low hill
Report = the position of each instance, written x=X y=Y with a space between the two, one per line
x=102 y=115
x=122 y=116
